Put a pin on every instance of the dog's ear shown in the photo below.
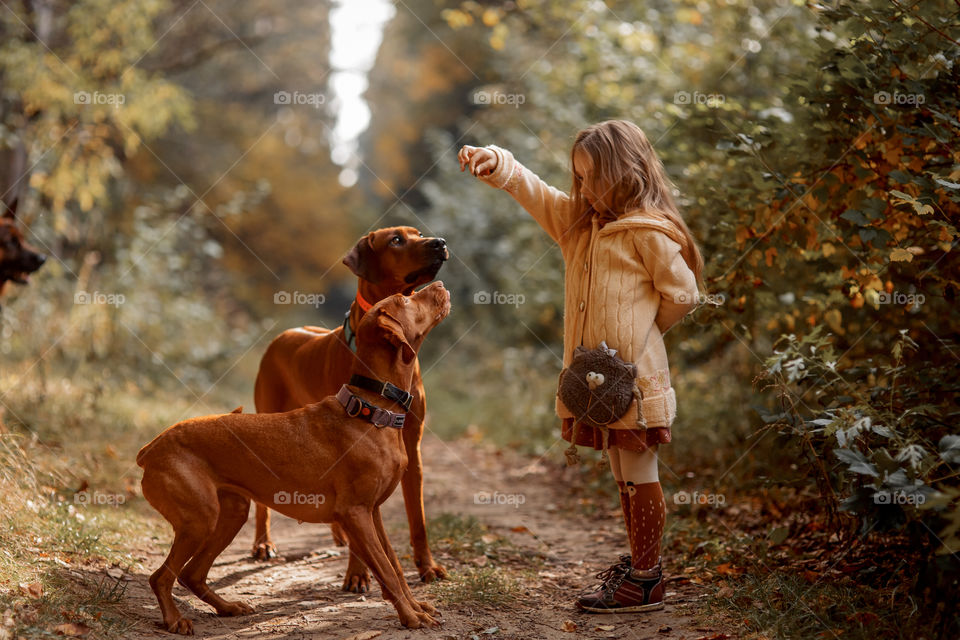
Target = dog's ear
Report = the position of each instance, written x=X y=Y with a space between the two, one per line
x=393 y=332
x=362 y=260
x=10 y=210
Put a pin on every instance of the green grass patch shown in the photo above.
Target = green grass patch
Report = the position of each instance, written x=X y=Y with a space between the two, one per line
x=478 y=586
x=464 y=537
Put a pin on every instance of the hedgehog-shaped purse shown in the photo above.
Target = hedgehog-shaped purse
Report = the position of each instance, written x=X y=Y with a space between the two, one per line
x=598 y=388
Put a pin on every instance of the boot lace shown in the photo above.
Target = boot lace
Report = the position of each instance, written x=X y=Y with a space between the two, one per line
x=611 y=577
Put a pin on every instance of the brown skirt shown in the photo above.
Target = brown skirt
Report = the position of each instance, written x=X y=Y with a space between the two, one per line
x=632 y=439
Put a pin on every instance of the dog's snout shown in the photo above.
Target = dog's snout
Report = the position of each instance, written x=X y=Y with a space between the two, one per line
x=33 y=261
x=437 y=243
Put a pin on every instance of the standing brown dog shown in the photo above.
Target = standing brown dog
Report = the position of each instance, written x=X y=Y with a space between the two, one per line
x=306 y=364
x=17 y=259
x=336 y=460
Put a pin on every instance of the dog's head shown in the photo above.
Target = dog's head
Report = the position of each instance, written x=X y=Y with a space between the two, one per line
x=17 y=259
x=397 y=259
x=404 y=321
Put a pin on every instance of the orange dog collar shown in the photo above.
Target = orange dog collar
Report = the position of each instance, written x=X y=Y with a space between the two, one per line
x=366 y=306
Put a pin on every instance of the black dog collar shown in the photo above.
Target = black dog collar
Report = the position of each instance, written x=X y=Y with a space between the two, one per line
x=357 y=407
x=385 y=389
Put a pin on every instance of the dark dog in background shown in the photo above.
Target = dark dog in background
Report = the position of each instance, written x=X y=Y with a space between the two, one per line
x=17 y=259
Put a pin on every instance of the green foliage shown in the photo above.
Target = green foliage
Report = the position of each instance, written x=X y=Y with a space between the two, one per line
x=88 y=99
x=887 y=452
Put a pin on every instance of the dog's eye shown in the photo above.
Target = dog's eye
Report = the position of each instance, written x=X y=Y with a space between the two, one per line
x=396 y=240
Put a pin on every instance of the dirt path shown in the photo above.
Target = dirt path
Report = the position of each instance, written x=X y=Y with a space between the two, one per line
x=550 y=553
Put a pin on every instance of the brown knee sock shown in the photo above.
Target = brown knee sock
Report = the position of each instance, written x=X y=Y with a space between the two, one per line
x=624 y=504
x=648 y=514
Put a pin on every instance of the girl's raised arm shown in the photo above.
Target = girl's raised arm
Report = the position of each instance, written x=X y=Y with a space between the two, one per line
x=549 y=206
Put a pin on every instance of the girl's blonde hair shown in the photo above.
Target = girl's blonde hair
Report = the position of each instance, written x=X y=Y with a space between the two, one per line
x=629 y=176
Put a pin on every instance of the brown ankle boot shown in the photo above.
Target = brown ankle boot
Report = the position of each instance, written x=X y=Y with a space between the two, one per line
x=625 y=590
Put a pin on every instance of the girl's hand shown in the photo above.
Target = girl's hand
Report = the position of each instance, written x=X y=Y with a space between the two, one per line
x=482 y=162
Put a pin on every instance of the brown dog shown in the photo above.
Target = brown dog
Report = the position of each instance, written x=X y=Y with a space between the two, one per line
x=17 y=259
x=304 y=365
x=201 y=474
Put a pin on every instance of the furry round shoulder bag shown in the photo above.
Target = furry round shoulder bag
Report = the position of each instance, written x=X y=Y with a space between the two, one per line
x=598 y=388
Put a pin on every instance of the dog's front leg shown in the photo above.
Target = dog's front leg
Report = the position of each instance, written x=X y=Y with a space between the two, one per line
x=412 y=485
x=365 y=543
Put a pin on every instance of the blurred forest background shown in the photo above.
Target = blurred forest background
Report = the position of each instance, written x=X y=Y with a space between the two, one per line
x=814 y=146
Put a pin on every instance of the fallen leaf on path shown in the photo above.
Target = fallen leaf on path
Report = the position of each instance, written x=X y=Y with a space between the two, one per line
x=32 y=589
x=71 y=629
x=605 y=627
x=665 y=629
x=726 y=570
x=115 y=572
x=520 y=529
x=365 y=635
x=569 y=626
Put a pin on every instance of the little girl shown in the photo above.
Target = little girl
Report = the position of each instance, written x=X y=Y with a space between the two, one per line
x=632 y=269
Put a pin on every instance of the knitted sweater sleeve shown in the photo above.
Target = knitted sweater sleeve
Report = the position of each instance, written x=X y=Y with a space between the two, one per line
x=549 y=206
x=672 y=278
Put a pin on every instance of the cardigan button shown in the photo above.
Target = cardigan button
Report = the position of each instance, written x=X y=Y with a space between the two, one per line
x=582 y=305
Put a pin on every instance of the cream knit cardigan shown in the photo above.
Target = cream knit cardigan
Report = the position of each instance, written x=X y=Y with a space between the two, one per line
x=626 y=283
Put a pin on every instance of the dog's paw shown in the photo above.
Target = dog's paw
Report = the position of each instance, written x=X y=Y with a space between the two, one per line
x=426 y=607
x=432 y=572
x=426 y=620
x=264 y=551
x=235 y=608
x=181 y=626
x=357 y=582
